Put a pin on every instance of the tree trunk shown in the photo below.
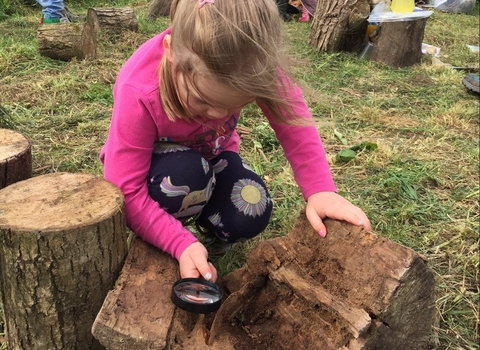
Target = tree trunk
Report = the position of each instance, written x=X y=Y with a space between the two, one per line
x=340 y=25
x=66 y=41
x=158 y=8
x=63 y=244
x=352 y=290
x=399 y=44
x=115 y=20
x=15 y=158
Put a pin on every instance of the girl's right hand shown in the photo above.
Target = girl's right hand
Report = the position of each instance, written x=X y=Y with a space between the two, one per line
x=193 y=263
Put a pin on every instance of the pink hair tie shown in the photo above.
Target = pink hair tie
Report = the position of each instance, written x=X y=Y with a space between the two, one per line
x=203 y=2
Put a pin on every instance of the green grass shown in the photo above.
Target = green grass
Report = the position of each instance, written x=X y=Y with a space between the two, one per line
x=420 y=187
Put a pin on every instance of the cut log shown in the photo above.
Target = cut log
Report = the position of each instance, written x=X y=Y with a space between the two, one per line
x=63 y=244
x=114 y=20
x=15 y=157
x=66 y=41
x=158 y=8
x=137 y=313
x=339 y=25
x=352 y=290
x=399 y=44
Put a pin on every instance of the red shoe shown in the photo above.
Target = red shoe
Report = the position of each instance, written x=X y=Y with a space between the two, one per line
x=305 y=16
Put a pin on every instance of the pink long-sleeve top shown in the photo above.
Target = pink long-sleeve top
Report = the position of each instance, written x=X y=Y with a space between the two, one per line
x=138 y=121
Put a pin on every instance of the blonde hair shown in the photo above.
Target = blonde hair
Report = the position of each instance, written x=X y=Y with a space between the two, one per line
x=240 y=44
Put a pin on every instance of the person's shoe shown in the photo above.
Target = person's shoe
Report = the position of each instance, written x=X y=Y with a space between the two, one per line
x=50 y=20
x=70 y=15
x=63 y=20
x=472 y=83
x=215 y=246
x=305 y=16
x=218 y=248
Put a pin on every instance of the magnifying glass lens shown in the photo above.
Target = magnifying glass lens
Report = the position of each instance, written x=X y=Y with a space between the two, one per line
x=197 y=293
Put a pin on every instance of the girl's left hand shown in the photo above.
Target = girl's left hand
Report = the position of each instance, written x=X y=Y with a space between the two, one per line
x=331 y=205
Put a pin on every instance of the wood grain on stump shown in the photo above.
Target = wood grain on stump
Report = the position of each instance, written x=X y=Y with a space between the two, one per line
x=15 y=157
x=352 y=290
x=66 y=41
x=63 y=244
x=112 y=19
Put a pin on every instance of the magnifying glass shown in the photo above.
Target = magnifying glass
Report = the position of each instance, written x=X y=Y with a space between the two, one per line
x=196 y=295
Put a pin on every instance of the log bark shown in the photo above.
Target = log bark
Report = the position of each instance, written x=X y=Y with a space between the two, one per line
x=158 y=8
x=352 y=290
x=15 y=157
x=339 y=25
x=114 y=20
x=399 y=44
x=66 y=41
x=63 y=244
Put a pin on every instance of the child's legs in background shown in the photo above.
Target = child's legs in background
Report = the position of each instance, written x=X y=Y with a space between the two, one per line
x=240 y=206
x=180 y=180
x=52 y=9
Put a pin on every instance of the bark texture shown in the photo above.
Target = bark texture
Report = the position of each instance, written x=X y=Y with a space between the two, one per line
x=66 y=41
x=63 y=244
x=114 y=20
x=399 y=44
x=15 y=158
x=158 y=8
x=352 y=290
x=339 y=25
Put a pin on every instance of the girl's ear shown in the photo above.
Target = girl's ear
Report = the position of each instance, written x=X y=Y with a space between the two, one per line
x=167 y=49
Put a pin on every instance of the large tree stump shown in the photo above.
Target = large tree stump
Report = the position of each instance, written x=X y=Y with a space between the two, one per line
x=158 y=8
x=66 y=41
x=63 y=244
x=352 y=290
x=114 y=20
x=339 y=25
x=15 y=158
x=399 y=44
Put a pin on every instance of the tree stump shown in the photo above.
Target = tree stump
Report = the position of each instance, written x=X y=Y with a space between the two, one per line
x=15 y=158
x=66 y=41
x=115 y=20
x=63 y=244
x=158 y=8
x=399 y=44
x=352 y=290
x=339 y=25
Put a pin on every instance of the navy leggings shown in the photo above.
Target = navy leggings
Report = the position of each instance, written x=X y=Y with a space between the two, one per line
x=224 y=194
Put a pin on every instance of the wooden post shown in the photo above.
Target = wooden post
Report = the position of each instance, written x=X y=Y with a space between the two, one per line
x=352 y=290
x=63 y=244
x=399 y=44
x=66 y=41
x=158 y=8
x=339 y=25
x=15 y=158
x=113 y=20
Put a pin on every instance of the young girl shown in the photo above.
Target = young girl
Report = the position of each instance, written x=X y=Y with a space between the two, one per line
x=172 y=147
